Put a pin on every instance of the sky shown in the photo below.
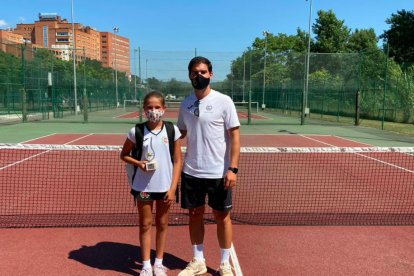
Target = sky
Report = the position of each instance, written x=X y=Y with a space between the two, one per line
x=196 y=27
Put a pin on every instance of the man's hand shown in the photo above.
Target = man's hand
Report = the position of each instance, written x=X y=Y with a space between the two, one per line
x=230 y=180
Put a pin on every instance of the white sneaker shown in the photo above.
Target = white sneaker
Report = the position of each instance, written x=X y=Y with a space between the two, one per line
x=146 y=272
x=194 y=267
x=160 y=270
x=225 y=269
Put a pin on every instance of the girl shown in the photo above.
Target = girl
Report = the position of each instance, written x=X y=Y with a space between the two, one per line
x=155 y=179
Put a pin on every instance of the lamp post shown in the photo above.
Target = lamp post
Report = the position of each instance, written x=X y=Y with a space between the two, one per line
x=116 y=29
x=135 y=70
x=146 y=71
x=249 y=106
x=265 y=33
x=306 y=88
x=23 y=93
x=141 y=84
x=74 y=61
x=244 y=72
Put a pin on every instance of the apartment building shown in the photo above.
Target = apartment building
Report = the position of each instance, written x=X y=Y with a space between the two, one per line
x=54 y=33
x=115 y=52
x=12 y=43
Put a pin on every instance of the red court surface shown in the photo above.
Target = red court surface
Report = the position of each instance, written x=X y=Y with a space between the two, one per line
x=261 y=250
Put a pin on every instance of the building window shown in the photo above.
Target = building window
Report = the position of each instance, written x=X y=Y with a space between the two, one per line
x=45 y=37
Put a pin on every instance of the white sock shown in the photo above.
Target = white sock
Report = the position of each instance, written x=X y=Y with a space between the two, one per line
x=225 y=255
x=158 y=262
x=146 y=264
x=198 y=252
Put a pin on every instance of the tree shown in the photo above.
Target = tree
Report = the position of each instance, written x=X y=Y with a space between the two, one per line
x=363 y=40
x=400 y=36
x=331 y=33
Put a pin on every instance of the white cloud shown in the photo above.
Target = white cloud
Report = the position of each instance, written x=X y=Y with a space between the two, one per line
x=3 y=23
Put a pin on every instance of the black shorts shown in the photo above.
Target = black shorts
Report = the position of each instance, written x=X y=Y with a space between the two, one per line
x=194 y=191
x=147 y=196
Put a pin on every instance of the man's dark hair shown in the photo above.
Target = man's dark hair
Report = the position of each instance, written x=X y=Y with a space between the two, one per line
x=198 y=60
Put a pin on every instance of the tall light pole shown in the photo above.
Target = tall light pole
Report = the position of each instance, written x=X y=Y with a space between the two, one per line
x=139 y=66
x=249 y=97
x=244 y=72
x=306 y=89
x=146 y=71
x=116 y=29
x=135 y=69
x=265 y=33
x=74 y=61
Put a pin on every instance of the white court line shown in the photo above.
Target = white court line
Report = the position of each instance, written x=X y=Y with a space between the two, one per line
x=235 y=261
x=280 y=134
x=369 y=145
x=40 y=153
x=316 y=140
x=365 y=156
x=38 y=138
x=77 y=139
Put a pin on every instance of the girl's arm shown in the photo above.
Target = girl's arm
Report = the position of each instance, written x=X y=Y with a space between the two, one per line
x=126 y=157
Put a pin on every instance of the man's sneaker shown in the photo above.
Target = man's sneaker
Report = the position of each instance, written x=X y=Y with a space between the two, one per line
x=225 y=269
x=195 y=267
x=160 y=270
x=146 y=272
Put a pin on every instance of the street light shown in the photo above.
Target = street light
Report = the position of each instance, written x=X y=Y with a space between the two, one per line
x=244 y=72
x=306 y=89
x=116 y=29
x=265 y=33
x=74 y=61
x=146 y=70
x=135 y=73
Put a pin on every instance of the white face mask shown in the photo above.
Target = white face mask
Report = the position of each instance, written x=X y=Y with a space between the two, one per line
x=154 y=116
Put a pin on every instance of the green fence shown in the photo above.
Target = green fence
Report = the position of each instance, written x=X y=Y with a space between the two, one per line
x=343 y=87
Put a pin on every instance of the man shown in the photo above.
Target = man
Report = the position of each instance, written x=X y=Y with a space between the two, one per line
x=209 y=120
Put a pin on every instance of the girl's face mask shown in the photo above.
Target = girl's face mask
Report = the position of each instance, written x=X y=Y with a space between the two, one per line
x=155 y=115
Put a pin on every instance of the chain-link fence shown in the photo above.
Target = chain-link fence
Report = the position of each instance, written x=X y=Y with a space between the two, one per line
x=343 y=87
x=34 y=85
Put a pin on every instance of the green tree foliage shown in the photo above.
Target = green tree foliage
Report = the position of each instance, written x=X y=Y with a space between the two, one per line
x=400 y=36
x=362 y=40
x=341 y=63
x=331 y=33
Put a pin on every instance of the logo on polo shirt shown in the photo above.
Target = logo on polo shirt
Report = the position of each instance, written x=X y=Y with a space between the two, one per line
x=209 y=108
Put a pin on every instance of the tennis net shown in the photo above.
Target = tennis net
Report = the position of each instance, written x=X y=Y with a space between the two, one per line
x=68 y=186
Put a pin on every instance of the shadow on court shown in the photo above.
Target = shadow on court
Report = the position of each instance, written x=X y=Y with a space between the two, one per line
x=121 y=257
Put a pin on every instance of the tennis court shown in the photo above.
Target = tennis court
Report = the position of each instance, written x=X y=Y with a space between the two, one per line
x=289 y=187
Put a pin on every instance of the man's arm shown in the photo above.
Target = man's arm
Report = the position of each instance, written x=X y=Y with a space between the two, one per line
x=230 y=178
